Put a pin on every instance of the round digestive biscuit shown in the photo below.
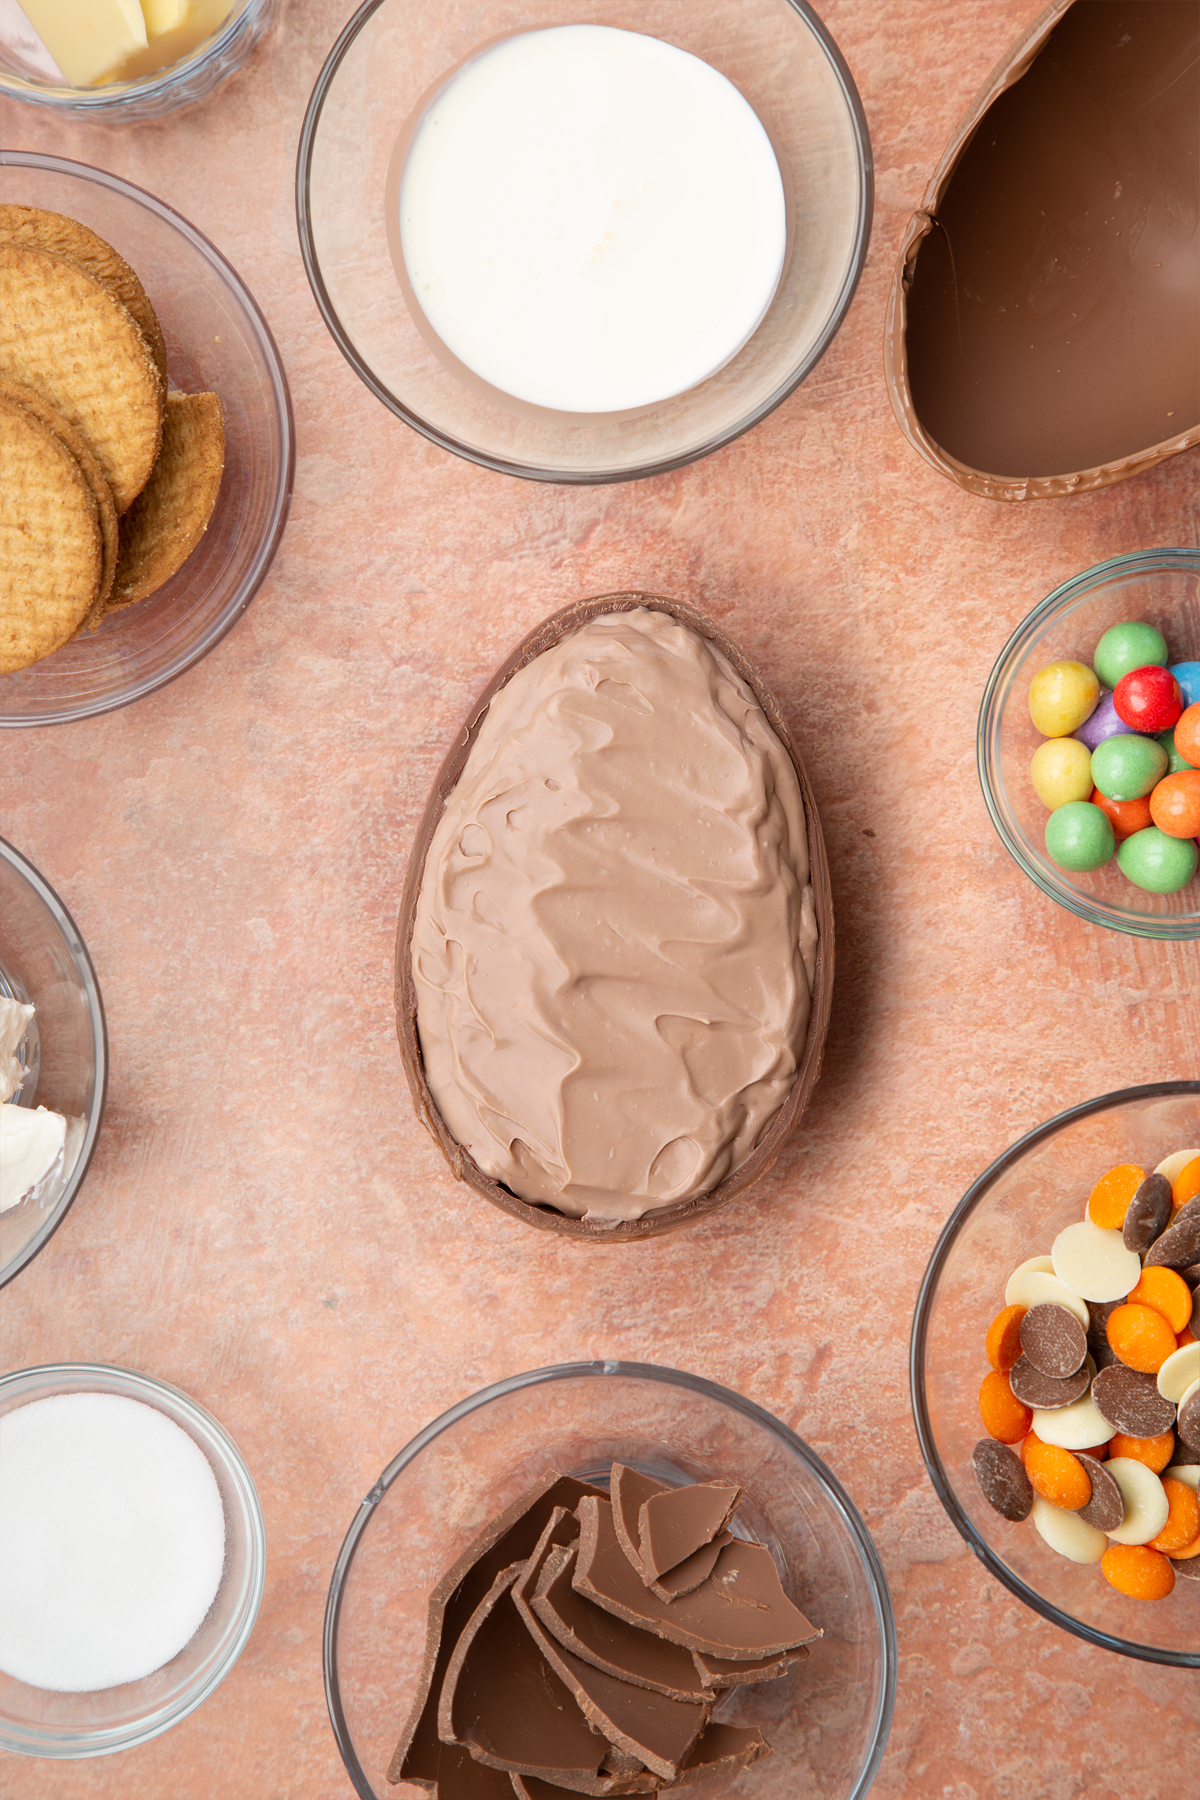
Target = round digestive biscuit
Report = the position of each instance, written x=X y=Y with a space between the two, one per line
x=1047 y=1392
x=1068 y=1533
x=1180 y=1373
x=1002 y=1479
x=170 y=515
x=51 y=550
x=1146 y=1503
x=72 y=242
x=1093 y=1262
x=1106 y=1508
x=93 y=474
x=1148 y=1215
x=63 y=334
x=1131 y=1401
x=1053 y=1340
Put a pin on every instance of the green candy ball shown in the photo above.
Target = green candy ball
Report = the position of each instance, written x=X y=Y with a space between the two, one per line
x=1126 y=767
x=1175 y=762
x=1079 y=837
x=1156 y=862
x=1129 y=646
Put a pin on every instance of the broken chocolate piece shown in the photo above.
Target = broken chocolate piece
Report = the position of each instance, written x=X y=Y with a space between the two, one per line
x=1179 y=1245
x=507 y=1539
x=460 y=1777
x=1032 y=1388
x=740 y=1612
x=693 y=1570
x=1131 y=1401
x=1148 y=1214
x=502 y=1700
x=607 y=1642
x=1002 y=1479
x=719 y=1672
x=647 y=1725
x=674 y=1525
x=1106 y=1508
x=629 y=1491
x=1053 y=1340
x=720 y=1750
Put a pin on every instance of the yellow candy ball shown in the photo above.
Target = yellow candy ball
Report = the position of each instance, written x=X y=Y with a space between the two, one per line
x=1061 y=697
x=1061 y=770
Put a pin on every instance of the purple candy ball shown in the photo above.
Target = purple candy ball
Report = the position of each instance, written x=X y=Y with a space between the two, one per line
x=1103 y=723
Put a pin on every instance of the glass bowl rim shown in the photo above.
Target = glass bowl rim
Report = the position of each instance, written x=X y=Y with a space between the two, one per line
x=1154 y=1090
x=110 y=98
x=261 y=332
x=83 y=962
x=210 y=1429
x=865 y=199
x=602 y=1367
x=1178 y=557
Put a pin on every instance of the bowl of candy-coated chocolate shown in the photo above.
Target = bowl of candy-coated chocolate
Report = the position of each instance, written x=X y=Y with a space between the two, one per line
x=1053 y=1192
x=462 y=1499
x=1060 y=715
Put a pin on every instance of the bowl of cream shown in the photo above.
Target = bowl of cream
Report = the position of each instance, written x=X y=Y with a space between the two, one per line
x=53 y=1061
x=591 y=248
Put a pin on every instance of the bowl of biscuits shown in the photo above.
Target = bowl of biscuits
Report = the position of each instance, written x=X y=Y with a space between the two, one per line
x=147 y=439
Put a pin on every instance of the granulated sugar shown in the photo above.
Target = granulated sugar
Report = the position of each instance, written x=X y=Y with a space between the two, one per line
x=112 y=1541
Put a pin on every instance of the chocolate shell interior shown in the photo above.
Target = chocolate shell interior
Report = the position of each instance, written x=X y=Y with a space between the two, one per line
x=769 y=1148
x=1042 y=333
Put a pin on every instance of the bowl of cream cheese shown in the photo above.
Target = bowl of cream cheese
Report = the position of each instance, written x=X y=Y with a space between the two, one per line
x=53 y=1061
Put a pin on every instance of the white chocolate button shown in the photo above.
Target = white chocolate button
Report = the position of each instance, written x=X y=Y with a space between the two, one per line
x=1033 y=1265
x=1180 y=1372
x=1173 y=1166
x=1146 y=1503
x=1067 y=1533
x=1094 y=1263
x=1038 y=1288
x=1187 y=1393
x=1080 y=1426
x=1188 y=1473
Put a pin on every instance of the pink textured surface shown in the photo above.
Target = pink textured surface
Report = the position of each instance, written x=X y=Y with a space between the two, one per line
x=264 y=1223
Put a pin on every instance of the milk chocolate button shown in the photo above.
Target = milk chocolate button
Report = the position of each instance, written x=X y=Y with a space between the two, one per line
x=1106 y=1508
x=1148 y=1214
x=1032 y=1388
x=1094 y=1263
x=1053 y=1340
x=1002 y=1480
x=1188 y=1567
x=1131 y=1401
x=1179 y=1245
x=1187 y=1426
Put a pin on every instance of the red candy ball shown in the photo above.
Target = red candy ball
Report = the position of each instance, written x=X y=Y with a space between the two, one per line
x=1149 y=699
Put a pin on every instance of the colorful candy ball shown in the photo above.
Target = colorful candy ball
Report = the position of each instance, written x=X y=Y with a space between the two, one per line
x=1061 y=697
x=1187 y=735
x=1079 y=837
x=1153 y=861
x=1175 y=804
x=1125 y=816
x=1187 y=674
x=1130 y=645
x=1125 y=768
x=1105 y=722
x=1061 y=770
x=1175 y=762
x=1148 y=699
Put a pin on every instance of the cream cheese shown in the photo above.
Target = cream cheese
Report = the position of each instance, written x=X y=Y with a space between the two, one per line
x=31 y=1142
x=14 y=1023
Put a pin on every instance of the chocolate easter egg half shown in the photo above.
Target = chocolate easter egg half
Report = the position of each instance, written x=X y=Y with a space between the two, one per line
x=615 y=950
x=1043 y=331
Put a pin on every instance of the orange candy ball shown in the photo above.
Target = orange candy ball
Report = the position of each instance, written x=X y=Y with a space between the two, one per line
x=1002 y=1413
x=1138 y=1571
x=1140 y=1337
x=1165 y=1292
x=1175 y=804
x=1109 y=1200
x=1003 y=1341
x=1125 y=816
x=1055 y=1474
x=1187 y=734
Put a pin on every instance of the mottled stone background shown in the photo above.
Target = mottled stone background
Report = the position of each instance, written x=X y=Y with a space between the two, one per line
x=266 y=1226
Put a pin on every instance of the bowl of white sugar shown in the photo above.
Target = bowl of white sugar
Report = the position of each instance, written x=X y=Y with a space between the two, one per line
x=591 y=245
x=132 y=1558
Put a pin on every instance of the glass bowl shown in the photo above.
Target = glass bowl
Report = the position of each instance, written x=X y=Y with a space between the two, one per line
x=36 y=1722
x=1014 y=1211
x=827 y=1719
x=379 y=73
x=216 y=339
x=1160 y=586
x=44 y=960
x=194 y=77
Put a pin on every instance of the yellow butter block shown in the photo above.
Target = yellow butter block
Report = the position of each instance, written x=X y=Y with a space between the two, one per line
x=87 y=38
x=163 y=15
